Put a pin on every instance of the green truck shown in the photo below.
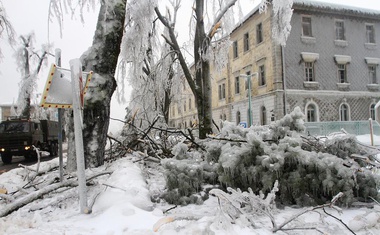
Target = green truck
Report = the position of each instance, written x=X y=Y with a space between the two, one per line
x=17 y=138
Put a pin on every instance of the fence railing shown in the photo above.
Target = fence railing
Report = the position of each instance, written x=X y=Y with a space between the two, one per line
x=352 y=127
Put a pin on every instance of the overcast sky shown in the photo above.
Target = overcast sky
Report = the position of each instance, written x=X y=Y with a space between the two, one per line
x=32 y=15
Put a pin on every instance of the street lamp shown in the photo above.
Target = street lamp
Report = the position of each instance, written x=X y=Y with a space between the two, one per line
x=248 y=77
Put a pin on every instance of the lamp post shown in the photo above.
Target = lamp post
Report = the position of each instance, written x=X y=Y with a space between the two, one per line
x=248 y=77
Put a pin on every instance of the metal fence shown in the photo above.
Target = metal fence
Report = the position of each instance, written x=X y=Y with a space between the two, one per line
x=354 y=127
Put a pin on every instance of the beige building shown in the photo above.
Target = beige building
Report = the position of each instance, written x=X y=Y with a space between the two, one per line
x=250 y=57
x=329 y=67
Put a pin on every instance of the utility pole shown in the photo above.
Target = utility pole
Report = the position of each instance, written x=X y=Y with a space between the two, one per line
x=249 y=78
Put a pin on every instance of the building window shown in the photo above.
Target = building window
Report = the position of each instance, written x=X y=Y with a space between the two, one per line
x=246 y=42
x=184 y=105
x=189 y=103
x=372 y=74
x=344 y=113
x=262 y=80
x=370 y=33
x=306 y=26
x=237 y=85
x=372 y=111
x=222 y=91
x=309 y=71
x=235 y=49
x=339 y=30
x=259 y=33
x=237 y=117
x=342 y=73
x=311 y=113
x=263 y=115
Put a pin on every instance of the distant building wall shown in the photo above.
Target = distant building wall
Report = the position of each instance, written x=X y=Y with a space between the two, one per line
x=354 y=52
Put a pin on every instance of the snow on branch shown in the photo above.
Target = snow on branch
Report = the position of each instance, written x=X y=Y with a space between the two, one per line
x=6 y=27
x=282 y=14
x=57 y=9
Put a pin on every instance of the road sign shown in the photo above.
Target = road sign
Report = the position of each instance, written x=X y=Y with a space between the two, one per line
x=58 y=92
x=243 y=124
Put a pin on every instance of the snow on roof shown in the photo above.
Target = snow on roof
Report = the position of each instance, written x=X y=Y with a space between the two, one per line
x=321 y=6
x=246 y=17
x=334 y=7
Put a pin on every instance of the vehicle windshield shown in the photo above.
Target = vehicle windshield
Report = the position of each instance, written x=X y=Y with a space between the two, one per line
x=14 y=127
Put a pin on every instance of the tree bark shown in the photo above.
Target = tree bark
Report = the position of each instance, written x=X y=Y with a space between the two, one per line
x=101 y=58
x=202 y=73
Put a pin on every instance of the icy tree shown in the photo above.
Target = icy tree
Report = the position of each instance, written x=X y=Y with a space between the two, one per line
x=27 y=58
x=186 y=175
x=309 y=173
x=210 y=45
x=306 y=177
x=6 y=27
x=200 y=81
x=282 y=14
x=147 y=64
x=102 y=59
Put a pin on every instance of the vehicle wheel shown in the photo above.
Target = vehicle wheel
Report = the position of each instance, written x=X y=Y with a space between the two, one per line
x=53 y=149
x=32 y=156
x=6 y=158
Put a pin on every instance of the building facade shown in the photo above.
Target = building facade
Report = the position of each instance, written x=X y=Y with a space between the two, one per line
x=332 y=62
x=329 y=67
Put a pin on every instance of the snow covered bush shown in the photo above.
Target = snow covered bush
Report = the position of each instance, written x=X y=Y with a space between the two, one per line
x=185 y=175
x=308 y=173
x=305 y=177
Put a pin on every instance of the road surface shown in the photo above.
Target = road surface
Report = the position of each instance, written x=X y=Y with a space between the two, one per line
x=21 y=160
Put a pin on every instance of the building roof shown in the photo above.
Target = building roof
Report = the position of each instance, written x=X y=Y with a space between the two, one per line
x=322 y=7
x=326 y=7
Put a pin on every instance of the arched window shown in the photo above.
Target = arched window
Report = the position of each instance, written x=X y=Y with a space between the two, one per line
x=372 y=111
x=344 y=112
x=311 y=113
x=263 y=115
x=224 y=117
x=237 y=117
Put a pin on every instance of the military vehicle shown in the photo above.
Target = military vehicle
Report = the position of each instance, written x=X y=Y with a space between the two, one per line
x=18 y=136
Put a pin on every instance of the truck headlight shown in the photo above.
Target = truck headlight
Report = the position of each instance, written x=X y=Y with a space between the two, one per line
x=27 y=147
x=2 y=150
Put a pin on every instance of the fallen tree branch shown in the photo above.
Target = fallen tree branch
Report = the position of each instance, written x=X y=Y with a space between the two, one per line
x=341 y=221
x=120 y=143
x=227 y=139
x=331 y=204
x=18 y=203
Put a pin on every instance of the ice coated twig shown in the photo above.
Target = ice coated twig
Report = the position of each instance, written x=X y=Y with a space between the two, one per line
x=341 y=221
x=331 y=204
x=20 y=202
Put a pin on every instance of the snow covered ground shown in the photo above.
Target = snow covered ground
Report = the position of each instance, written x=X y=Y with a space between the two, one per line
x=122 y=205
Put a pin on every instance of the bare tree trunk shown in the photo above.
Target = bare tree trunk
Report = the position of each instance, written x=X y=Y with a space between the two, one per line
x=101 y=58
x=202 y=73
x=201 y=84
x=26 y=110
